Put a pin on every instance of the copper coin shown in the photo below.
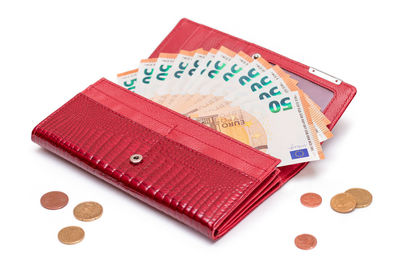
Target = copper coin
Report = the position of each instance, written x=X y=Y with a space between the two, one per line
x=88 y=211
x=362 y=197
x=54 y=200
x=71 y=235
x=305 y=241
x=343 y=203
x=311 y=200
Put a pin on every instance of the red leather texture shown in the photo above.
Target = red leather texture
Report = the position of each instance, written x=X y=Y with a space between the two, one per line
x=190 y=35
x=189 y=171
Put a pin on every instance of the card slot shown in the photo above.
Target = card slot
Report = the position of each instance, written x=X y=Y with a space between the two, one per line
x=181 y=129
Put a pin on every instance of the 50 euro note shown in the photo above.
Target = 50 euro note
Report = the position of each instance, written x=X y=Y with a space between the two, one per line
x=218 y=84
x=272 y=80
x=281 y=127
x=184 y=66
x=260 y=81
x=183 y=93
x=138 y=80
x=144 y=76
x=128 y=79
x=287 y=83
x=200 y=89
x=162 y=73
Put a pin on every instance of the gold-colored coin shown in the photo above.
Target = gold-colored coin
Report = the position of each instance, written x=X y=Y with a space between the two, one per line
x=362 y=197
x=71 y=235
x=88 y=211
x=343 y=203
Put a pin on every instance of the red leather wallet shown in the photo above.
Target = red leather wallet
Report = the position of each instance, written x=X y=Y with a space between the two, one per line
x=198 y=176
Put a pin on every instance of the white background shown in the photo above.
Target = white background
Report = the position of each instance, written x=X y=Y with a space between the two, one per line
x=50 y=51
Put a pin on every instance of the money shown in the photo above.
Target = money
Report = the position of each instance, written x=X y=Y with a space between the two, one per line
x=194 y=75
x=71 y=235
x=201 y=89
x=177 y=71
x=311 y=200
x=363 y=197
x=351 y=199
x=219 y=83
x=128 y=79
x=54 y=200
x=88 y=211
x=144 y=76
x=293 y=141
x=185 y=66
x=162 y=70
x=343 y=203
x=249 y=100
x=239 y=125
x=305 y=241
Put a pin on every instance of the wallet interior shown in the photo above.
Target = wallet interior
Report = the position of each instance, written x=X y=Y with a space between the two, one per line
x=331 y=94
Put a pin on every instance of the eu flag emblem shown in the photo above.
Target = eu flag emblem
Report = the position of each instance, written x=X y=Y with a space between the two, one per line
x=301 y=153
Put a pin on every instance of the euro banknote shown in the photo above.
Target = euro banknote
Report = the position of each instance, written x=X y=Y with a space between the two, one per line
x=248 y=99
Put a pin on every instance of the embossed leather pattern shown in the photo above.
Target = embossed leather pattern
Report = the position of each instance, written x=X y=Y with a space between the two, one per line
x=198 y=176
x=191 y=172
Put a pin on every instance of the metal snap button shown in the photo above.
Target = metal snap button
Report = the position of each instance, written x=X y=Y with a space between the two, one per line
x=136 y=158
x=256 y=55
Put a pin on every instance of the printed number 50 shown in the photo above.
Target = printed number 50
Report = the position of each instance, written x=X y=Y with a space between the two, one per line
x=275 y=106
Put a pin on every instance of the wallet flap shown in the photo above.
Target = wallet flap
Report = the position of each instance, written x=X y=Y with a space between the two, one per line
x=197 y=175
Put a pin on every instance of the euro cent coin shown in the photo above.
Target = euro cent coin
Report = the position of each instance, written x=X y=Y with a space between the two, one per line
x=311 y=200
x=71 y=235
x=88 y=211
x=54 y=200
x=362 y=197
x=343 y=203
x=305 y=241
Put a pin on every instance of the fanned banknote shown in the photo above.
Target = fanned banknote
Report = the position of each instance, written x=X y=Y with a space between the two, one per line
x=249 y=100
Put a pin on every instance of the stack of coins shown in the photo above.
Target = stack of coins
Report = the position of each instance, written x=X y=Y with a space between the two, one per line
x=351 y=199
x=85 y=211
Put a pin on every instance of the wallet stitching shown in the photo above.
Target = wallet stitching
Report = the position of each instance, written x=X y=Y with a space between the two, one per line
x=199 y=125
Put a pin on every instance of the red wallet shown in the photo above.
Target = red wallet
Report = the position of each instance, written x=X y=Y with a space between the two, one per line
x=198 y=176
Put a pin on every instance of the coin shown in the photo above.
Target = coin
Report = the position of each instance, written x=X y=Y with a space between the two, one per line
x=71 y=235
x=305 y=241
x=54 y=200
x=311 y=200
x=343 y=203
x=362 y=197
x=88 y=211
